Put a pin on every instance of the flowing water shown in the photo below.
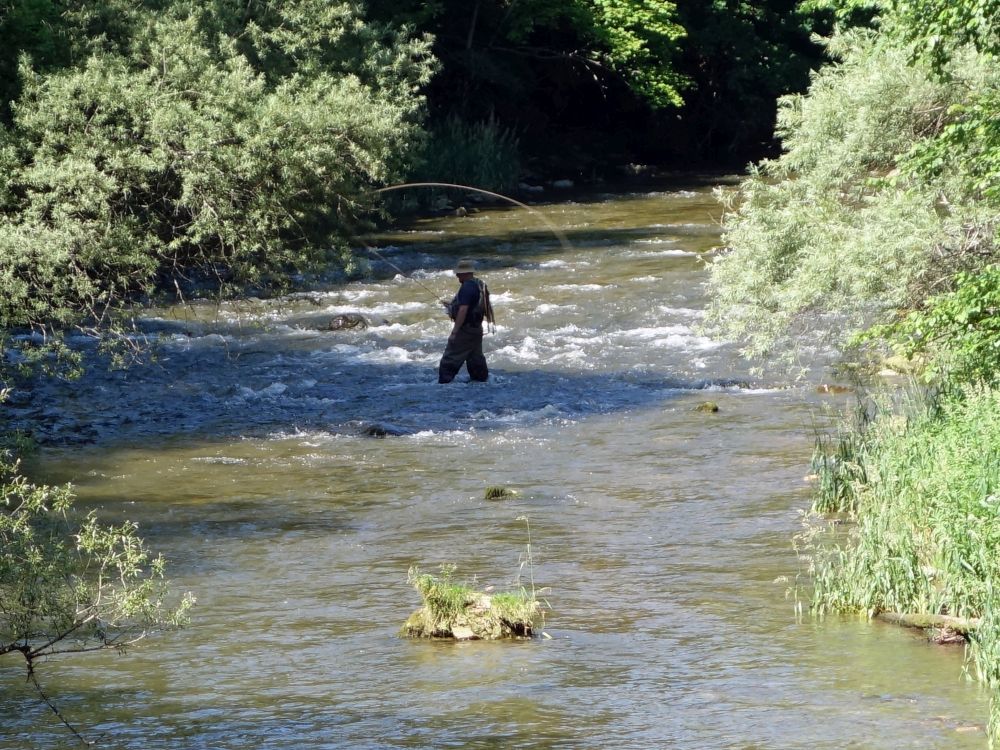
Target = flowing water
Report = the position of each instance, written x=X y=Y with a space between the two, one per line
x=660 y=536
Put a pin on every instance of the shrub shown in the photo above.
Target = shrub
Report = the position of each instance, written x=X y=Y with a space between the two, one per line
x=192 y=148
x=832 y=236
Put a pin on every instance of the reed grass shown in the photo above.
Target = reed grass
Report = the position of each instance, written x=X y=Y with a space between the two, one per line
x=478 y=154
x=920 y=478
x=498 y=493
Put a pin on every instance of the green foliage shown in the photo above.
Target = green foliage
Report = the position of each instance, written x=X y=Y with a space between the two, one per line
x=847 y=13
x=927 y=533
x=839 y=465
x=483 y=155
x=958 y=332
x=225 y=144
x=730 y=102
x=966 y=150
x=498 y=493
x=638 y=39
x=72 y=586
x=832 y=236
x=936 y=28
x=451 y=609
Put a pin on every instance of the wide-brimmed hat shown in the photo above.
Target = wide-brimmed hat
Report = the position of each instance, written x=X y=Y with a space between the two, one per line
x=465 y=266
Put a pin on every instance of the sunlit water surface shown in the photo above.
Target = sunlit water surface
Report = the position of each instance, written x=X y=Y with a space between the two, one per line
x=660 y=536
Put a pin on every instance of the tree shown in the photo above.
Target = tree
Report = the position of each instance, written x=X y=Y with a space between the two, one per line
x=937 y=28
x=833 y=235
x=559 y=76
x=229 y=145
x=72 y=585
x=739 y=57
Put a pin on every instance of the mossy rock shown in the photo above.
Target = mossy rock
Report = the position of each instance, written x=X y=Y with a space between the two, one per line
x=708 y=407
x=458 y=612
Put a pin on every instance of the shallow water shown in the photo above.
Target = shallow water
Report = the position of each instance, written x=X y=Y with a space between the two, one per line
x=659 y=535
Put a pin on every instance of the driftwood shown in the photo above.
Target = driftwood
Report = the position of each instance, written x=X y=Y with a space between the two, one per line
x=964 y=626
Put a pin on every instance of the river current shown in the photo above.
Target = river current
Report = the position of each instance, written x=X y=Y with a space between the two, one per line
x=292 y=475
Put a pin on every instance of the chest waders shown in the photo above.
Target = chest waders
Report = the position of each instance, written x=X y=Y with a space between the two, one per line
x=466 y=348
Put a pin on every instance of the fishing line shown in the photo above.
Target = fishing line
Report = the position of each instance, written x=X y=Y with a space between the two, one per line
x=548 y=224
x=381 y=257
x=563 y=240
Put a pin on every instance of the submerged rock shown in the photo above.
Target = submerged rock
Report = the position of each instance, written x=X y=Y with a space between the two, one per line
x=348 y=320
x=709 y=407
x=381 y=430
x=832 y=388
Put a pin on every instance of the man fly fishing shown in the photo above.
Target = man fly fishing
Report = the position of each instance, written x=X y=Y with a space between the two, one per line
x=465 y=342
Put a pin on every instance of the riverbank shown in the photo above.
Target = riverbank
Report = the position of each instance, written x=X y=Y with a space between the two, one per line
x=919 y=478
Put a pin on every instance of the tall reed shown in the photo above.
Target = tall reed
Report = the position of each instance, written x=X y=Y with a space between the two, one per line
x=921 y=480
x=479 y=154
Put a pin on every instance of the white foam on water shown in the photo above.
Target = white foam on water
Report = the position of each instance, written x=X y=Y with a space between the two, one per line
x=382 y=308
x=581 y=287
x=438 y=435
x=347 y=349
x=396 y=355
x=682 y=225
x=547 y=308
x=660 y=254
x=507 y=296
x=526 y=352
x=553 y=264
x=399 y=328
x=650 y=333
x=673 y=194
x=549 y=411
x=688 y=312
x=309 y=438
x=357 y=294
x=572 y=355
x=672 y=336
x=209 y=341
x=272 y=391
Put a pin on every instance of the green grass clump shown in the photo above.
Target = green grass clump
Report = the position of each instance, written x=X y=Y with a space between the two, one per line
x=921 y=481
x=498 y=493
x=456 y=610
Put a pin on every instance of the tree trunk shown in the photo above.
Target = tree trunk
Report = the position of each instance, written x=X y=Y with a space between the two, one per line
x=962 y=625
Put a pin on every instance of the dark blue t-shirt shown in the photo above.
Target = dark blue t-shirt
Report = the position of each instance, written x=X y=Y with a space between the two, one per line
x=468 y=294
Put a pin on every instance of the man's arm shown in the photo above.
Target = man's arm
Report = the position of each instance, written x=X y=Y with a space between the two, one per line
x=463 y=310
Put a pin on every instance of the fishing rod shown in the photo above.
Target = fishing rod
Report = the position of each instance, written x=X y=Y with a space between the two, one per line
x=563 y=240
x=381 y=257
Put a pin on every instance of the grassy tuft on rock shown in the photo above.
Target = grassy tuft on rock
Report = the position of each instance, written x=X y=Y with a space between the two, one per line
x=455 y=610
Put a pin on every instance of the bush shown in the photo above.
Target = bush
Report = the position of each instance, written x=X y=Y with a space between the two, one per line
x=832 y=235
x=71 y=585
x=192 y=148
x=925 y=495
x=958 y=332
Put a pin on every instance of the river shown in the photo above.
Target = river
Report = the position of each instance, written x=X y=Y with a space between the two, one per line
x=660 y=535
